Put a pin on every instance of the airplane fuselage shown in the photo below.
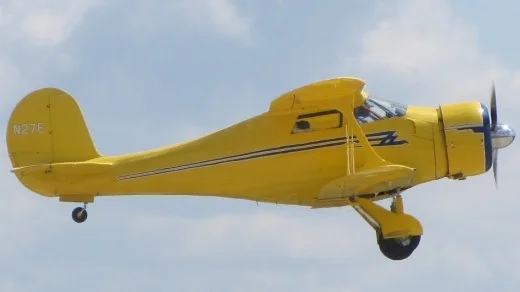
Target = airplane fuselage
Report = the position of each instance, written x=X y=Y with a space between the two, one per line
x=285 y=155
x=260 y=160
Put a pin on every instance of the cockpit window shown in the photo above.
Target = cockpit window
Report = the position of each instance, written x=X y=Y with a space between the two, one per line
x=392 y=109
x=376 y=109
x=318 y=121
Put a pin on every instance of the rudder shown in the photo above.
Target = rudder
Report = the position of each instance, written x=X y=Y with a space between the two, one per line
x=46 y=127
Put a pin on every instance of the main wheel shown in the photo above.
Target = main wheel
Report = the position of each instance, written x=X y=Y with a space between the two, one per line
x=398 y=248
x=79 y=215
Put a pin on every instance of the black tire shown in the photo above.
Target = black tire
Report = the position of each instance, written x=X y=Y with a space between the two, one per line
x=78 y=216
x=395 y=250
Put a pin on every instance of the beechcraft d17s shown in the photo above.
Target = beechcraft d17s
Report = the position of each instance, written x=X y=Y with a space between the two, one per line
x=326 y=144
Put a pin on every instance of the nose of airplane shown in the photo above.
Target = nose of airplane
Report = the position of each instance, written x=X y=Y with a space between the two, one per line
x=502 y=136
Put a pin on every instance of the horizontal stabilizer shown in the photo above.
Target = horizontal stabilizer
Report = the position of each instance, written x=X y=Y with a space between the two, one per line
x=65 y=168
x=51 y=179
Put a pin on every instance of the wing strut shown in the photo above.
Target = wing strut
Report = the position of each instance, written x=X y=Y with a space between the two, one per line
x=349 y=134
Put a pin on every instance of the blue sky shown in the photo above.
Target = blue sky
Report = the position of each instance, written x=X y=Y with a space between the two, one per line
x=148 y=74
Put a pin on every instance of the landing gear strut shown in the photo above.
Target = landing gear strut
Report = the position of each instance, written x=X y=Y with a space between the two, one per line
x=79 y=214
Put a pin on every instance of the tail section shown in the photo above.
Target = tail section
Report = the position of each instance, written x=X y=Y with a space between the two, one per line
x=47 y=127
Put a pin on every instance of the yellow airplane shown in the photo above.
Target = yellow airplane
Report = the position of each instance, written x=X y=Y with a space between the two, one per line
x=326 y=144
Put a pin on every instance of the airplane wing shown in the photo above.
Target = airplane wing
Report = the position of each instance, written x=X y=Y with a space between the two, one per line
x=365 y=181
x=319 y=94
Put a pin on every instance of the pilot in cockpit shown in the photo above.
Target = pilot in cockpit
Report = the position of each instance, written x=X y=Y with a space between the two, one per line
x=301 y=126
x=362 y=114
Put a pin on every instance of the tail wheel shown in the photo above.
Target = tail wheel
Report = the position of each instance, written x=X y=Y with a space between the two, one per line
x=398 y=248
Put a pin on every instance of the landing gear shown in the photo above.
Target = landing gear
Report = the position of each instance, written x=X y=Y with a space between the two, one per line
x=398 y=248
x=398 y=234
x=79 y=214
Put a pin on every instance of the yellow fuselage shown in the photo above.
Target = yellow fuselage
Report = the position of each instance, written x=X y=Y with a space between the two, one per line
x=259 y=159
x=293 y=166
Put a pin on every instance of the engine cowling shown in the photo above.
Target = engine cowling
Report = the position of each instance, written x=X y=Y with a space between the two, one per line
x=467 y=132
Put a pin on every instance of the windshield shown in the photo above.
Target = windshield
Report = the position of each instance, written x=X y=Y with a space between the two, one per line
x=377 y=109
x=389 y=108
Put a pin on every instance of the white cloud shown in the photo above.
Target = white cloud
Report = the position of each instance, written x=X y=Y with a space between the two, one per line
x=420 y=36
x=220 y=17
x=9 y=77
x=43 y=22
x=299 y=236
x=28 y=26
x=428 y=48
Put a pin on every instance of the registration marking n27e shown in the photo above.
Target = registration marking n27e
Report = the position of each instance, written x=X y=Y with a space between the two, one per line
x=29 y=128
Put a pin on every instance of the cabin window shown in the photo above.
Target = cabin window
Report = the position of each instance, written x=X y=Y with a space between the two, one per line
x=377 y=109
x=318 y=121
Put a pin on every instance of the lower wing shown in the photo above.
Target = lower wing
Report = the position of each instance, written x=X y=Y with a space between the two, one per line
x=365 y=181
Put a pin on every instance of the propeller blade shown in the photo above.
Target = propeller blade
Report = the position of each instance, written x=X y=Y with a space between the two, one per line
x=493 y=108
x=495 y=165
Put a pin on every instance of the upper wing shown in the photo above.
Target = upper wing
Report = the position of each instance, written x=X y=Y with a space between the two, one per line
x=319 y=94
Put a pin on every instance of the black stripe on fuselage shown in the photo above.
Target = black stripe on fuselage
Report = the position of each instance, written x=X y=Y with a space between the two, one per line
x=374 y=137
x=240 y=157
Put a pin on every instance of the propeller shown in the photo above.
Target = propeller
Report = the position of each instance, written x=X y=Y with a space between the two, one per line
x=493 y=108
x=501 y=135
